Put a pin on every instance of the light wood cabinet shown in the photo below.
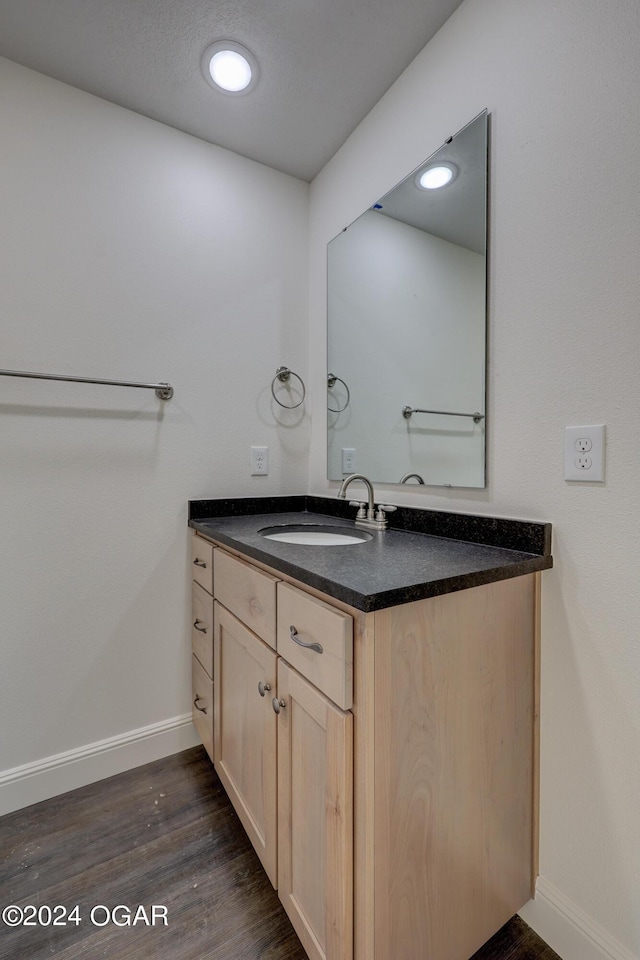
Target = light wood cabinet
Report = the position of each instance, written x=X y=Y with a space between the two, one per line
x=403 y=765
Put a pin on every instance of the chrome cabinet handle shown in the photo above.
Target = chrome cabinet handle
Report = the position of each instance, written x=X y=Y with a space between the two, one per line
x=197 y=706
x=200 y=563
x=263 y=687
x=198 y=628
x=278 y=704
x=304 y=643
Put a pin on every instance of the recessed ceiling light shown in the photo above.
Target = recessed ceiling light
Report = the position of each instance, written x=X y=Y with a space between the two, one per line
x=230 y=67
x=436 y=176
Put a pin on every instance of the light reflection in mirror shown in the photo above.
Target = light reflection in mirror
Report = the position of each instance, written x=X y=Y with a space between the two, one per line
x=407 y=327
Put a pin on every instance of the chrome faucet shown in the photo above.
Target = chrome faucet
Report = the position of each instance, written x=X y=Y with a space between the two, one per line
x=342 y=492
x=411 y=476
x=370 y=518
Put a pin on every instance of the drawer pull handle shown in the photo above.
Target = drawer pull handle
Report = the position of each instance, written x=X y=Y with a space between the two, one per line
x=197 y=705
x=200 y=563
x=197 y=623
x=304 y=643
x=263 y=687
x=278 y=704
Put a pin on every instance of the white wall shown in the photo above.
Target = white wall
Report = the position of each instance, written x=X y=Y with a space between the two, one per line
x=561 y=82
x=407 y=327
x=127 y=251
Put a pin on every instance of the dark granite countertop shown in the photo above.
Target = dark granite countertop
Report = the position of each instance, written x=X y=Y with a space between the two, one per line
x=423 y=553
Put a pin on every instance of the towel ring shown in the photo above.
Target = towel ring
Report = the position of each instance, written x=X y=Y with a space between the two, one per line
x=331 y=382
x=283 y=374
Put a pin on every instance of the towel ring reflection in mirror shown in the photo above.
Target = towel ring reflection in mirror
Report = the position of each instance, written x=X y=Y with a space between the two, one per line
x=331 y=382
x=283 y=375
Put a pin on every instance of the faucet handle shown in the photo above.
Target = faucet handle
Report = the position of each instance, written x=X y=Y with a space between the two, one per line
x=362 y=513
x=384 y=508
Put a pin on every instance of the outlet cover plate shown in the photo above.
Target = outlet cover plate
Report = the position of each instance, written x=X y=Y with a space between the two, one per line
x=259 y=461
x=348 y=459
x=584 y=453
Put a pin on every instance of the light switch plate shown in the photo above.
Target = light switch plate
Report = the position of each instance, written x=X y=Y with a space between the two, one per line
x=584 y=453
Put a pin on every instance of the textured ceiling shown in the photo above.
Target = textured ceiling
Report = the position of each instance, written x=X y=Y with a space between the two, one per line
x=323 y=63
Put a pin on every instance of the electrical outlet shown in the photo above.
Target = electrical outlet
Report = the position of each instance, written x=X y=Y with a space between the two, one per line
x=259 y=461
x=348 y=459
x=584 y=453
x=583 y=444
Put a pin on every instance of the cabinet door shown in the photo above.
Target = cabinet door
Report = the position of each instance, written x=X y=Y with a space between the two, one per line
x=315 y=817
x=245 y=731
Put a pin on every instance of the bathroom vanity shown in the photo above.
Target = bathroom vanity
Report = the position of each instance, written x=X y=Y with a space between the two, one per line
x=371 y=710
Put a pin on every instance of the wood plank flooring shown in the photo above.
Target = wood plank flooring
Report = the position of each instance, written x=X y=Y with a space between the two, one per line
x=162 y=834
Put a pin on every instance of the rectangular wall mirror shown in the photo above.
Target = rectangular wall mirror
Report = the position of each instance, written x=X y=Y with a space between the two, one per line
x=407 y=326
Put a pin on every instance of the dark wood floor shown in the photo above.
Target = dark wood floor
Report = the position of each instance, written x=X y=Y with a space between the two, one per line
x=162 y=834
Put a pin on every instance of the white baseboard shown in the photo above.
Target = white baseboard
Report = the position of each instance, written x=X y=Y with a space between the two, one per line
x=33 y=782
x=567 y=929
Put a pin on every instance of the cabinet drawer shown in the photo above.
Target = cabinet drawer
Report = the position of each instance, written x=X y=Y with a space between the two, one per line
x=248 y=593
x=202 y=626
x=202 y=704
x=202 y=563
x=328 y=664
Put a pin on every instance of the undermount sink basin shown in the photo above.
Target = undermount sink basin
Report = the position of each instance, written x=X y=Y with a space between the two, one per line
x=315 y=534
